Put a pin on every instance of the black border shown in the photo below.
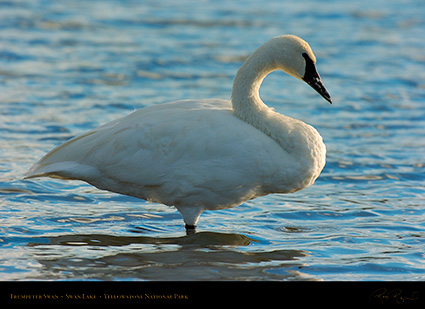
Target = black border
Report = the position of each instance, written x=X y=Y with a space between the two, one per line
x=188 y=293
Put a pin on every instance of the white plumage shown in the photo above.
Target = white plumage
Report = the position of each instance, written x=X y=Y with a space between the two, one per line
x=203 y=154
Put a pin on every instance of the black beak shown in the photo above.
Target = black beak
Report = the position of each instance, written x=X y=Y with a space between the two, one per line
x=312 y=78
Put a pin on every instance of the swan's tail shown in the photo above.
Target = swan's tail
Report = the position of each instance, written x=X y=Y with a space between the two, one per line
x=61 y=162
x=62 y=170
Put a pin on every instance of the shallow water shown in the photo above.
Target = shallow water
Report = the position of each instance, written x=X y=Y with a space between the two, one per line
x=69 y=66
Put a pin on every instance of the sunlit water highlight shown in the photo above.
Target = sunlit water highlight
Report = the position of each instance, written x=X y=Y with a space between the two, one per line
x=69 y=66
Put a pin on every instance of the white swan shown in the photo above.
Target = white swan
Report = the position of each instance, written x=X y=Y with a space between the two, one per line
x=201 y=155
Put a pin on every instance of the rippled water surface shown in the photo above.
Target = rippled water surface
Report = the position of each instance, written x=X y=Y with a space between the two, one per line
x=69 y=66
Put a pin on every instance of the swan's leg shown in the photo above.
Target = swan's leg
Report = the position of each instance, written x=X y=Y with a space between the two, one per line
x=190 y=229
x=190 y=217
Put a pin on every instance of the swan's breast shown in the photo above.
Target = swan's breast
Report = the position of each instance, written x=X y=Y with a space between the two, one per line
x=305 y=152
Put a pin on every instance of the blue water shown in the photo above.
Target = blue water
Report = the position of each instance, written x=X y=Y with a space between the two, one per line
x=69 y=66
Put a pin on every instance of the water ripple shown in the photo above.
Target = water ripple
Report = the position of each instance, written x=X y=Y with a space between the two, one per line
x=67 y=68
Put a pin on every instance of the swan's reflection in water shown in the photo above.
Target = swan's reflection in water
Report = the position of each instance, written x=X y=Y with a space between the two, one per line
x=200 y=239
x=200 y=256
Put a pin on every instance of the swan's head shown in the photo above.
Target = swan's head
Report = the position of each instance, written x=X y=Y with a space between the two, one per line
x=295 y=57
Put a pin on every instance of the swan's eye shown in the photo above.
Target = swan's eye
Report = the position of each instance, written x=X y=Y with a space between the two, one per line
x=310 y=68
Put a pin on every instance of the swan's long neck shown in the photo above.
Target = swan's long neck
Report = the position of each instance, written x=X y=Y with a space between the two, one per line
x=298 y=139
x=246 y=101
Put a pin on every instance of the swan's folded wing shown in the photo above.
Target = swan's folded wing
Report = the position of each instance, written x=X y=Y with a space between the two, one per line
x=180 y=153
x=141 y=149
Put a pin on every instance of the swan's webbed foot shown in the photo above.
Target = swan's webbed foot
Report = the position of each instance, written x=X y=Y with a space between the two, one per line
x=190 y=229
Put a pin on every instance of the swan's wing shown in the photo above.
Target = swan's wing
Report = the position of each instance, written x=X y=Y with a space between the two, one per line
x=125 y=143
x=176 y=153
